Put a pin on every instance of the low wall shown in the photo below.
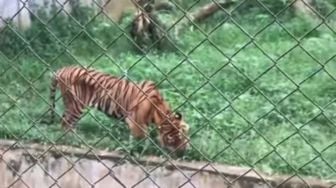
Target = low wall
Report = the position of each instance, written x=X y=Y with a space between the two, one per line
x=40 y=166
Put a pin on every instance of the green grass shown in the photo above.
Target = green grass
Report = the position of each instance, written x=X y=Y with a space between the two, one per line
x=262 y=108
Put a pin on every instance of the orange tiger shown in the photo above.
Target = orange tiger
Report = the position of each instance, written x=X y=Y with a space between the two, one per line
x=137 y=104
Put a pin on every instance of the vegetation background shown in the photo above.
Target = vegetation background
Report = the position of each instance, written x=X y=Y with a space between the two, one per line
x=257 y=85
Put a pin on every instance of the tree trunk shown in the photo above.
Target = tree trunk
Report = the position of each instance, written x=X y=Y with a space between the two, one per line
x=208 y=10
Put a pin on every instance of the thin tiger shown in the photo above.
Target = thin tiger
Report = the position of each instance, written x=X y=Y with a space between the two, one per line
x=137 y=104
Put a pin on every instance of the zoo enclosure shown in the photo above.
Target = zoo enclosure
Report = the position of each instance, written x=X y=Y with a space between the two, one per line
x=288 y=101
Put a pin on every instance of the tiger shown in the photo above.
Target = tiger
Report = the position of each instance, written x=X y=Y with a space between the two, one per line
x=137 y=104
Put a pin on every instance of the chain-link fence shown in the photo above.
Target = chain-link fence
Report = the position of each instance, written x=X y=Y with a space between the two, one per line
x=254 y=80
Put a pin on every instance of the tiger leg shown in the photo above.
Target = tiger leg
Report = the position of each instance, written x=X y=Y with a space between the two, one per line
x=72 y=113
x=138 y=129
x=138 y=119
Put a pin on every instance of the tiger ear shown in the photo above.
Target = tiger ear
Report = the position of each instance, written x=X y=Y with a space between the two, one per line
x=178 y=115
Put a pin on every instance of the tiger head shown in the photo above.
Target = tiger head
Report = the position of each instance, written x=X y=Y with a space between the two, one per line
x=174 y=132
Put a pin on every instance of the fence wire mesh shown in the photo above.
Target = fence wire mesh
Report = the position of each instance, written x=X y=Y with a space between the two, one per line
x=253 y=79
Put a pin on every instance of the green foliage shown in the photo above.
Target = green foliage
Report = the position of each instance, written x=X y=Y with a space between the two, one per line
x=259 y=105
x=51 y=34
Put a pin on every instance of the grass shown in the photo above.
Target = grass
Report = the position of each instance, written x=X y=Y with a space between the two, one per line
x=264 y=103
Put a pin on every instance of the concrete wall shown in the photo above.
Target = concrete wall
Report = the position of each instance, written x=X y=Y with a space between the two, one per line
x=20 y=13
x=12 y=9
x=40 y=166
